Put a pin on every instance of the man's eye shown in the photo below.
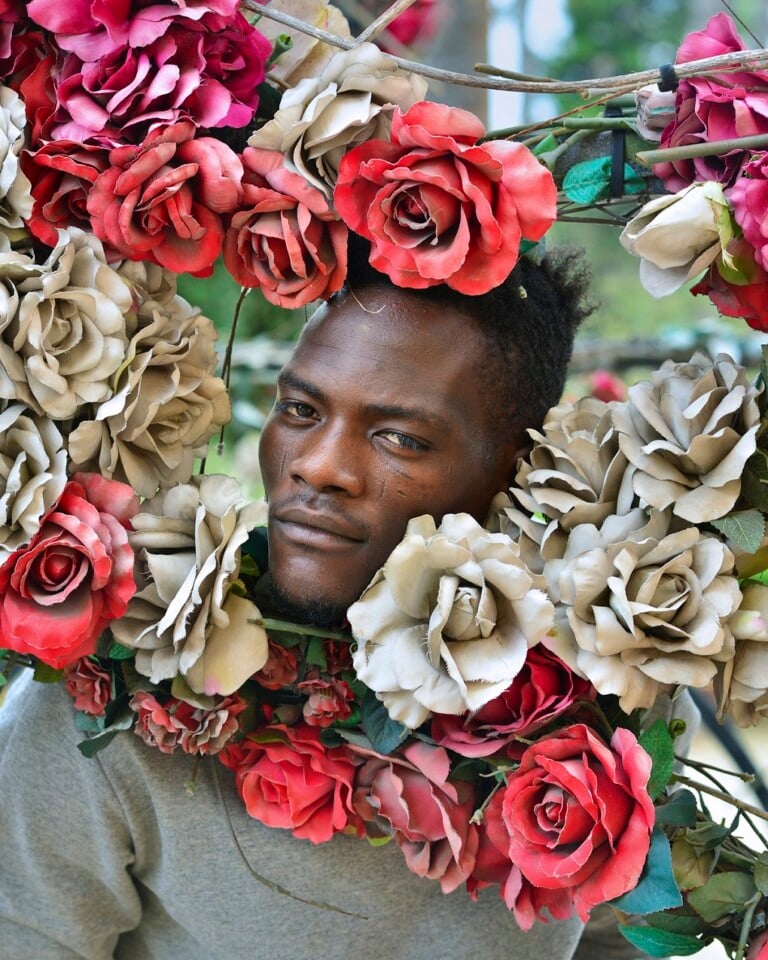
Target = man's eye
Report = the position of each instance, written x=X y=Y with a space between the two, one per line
x=404 y=440
x=296 y=409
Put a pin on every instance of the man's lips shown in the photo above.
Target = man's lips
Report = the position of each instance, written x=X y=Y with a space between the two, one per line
x=308 y=528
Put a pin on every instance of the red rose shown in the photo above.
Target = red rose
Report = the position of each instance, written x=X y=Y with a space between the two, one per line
x=30 y=71
x=545 y=688
x=76 y=574
x=579 y=816
x=280 y=670
x=163 y=201
x=493 y=866
x=713 y=107
x=169 y=723
x=410 y=795
x=62 y=174
x=89 y=686
x=328 y=701
x=747 y=300
x=287 y=778
x=437 y=206
x=337 y=656
x=285 y=238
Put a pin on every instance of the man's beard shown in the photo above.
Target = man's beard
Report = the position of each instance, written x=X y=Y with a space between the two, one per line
x=319 y=613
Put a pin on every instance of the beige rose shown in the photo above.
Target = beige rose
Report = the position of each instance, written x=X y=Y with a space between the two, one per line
x=166 y=404
x=446 y=624
x=63 y=335
x=576 y=472
x=185 y=619
x=307 y=56
x=677 y=236
x=15 y=188
x=742 y=683
x=655 y=109
x=321 y=118
x=688 y=431
x=33 y=472
x=646 y=613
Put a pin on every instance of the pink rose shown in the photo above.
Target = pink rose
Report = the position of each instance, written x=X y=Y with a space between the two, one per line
x=60 y=591
x=287 y=778
x=578 y=814
x=747 y=300
x=329 y=701
x=410 y=795
x=93 y=28
x=62 y=174
x=163 y=201
x=89 y=685
x=437 y=207
x=749 y=198
x=715 y=107
x=758 y=949
x=337 y=656
x=280 y=670
x=285 y=238
x=209 y=78
x=169 y=723
x=545 y=688
x=493 y=866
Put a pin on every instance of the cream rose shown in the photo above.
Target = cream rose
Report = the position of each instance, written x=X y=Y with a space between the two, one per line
x=742 y=683
x=321 y=118
x=446 y=624
x=677 y=236
x=15 y=188
x=185 y=619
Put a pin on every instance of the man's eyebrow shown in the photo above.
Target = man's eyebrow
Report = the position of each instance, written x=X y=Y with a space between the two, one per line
x=289 y=380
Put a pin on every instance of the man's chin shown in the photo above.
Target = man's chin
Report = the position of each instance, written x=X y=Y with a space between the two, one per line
x=319 y=613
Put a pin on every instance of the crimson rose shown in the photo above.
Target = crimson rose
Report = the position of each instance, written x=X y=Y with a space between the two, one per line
x=285 y=238
x=545 y=688
x=437 y=206
x=89 y=685
x=287 y=778
x=168 y=723
x=746 y=300
x=162 y=201
x=410 y=795
x=579 y=816
x=58 y=592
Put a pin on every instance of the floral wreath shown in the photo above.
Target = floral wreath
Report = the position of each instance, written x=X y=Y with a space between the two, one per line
x=512 y=746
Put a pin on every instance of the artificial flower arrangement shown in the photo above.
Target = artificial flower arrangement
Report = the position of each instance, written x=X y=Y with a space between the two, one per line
x=488 y=709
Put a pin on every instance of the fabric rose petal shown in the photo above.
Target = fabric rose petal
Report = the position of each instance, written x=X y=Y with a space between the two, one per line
x=287 y=778
x=742 y=683
x=285 y=238
x=163 y=201
x=170 y=724
x=749 y=197
x=743 y=294
x=438 y=207
x=579 y=816
x=74 y=577
x=677 y=237
x=446 y=624
x=15 y=197
x=185 y=619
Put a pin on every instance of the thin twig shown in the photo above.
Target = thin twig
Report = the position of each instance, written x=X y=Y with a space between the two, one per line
x=740 y=21
x=381 y=23
x=724 y=63
x=355 y=9
x=721 y=795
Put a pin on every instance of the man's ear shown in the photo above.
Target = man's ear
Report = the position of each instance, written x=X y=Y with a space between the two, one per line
x=512 y=451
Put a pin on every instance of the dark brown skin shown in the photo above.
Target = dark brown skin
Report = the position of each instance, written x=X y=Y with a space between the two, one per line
x=380 y=417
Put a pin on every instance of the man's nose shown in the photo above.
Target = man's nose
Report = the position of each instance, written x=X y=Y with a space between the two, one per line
x=331 y=460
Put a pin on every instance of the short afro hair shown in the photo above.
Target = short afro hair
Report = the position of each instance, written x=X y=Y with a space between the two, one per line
x=529 y=323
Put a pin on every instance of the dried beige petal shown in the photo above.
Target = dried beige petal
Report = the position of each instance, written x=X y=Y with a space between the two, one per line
x=15 y=188
x=742 y=683
x=183 y=619
x=446 y=624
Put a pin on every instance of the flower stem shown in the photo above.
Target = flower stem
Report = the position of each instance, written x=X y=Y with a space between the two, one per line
x=721 y=795
x=303 y=629
x=710 y=149
x=746 y=924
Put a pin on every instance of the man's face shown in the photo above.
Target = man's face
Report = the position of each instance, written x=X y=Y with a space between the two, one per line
x=382 y=414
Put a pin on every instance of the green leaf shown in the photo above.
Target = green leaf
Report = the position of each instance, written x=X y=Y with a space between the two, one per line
x=658 y=744
x=761 y=874
x=708 y=835
x=754 y=481
x=676 y=922
x=657 y=889
x=384 y=733
x=679 y=810
x=379 y=841
x=118 y=652
x=88 y=724
x=661 y=943
x=722 y=894
x=745 y=528
x=590 y=180
x=45 y=674
x=315 y=655
x=90 y=747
